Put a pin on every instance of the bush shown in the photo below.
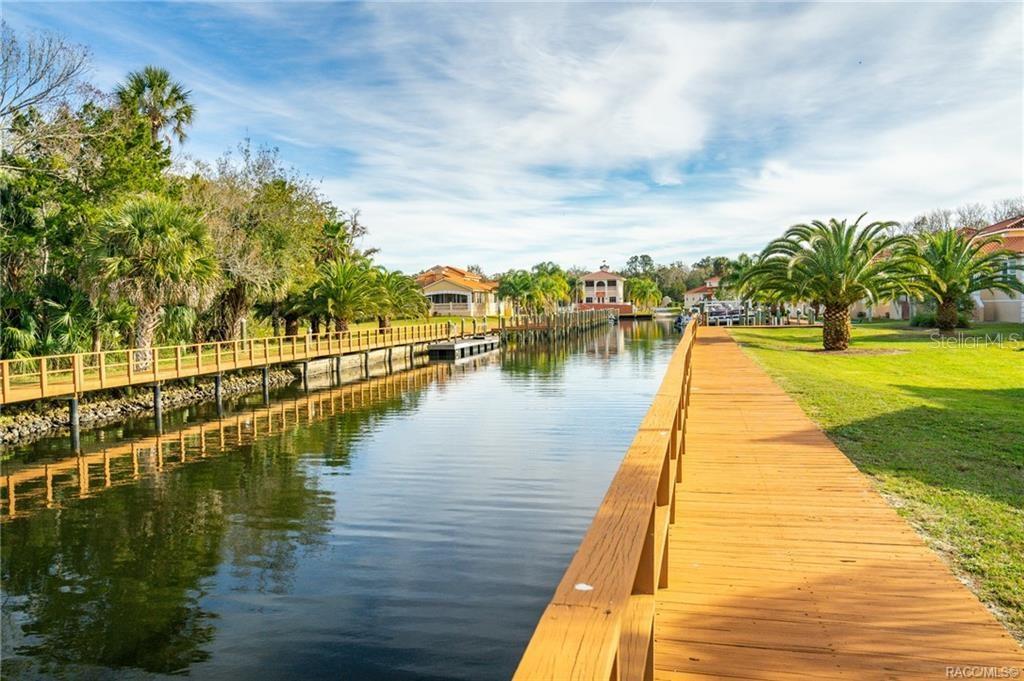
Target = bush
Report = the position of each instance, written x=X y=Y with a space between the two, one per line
x=927 y=320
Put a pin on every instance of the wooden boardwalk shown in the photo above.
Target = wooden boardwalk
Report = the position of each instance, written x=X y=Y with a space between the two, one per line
x=785 y=563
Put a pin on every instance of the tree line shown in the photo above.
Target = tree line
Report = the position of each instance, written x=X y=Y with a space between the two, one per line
x=110 y=239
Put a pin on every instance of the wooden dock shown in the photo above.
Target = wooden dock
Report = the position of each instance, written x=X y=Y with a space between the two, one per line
x=781 y=560
x=25 y=489
x=70 y=375
x=462 y=347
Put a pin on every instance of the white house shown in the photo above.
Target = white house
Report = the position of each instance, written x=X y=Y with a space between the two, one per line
x=604 y=290
x=702 y=293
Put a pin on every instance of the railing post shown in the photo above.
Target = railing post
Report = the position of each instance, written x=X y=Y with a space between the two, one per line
x=177 y=361
x=5 y=380
x=155 y=353
x=75 y=367
x=42 y=377
x=217 y=356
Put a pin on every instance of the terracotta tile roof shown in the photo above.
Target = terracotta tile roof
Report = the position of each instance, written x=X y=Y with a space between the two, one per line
x=455 y=275
x=1003 y=226
x=703 y=289
x=601 y=275
x=1011 y=243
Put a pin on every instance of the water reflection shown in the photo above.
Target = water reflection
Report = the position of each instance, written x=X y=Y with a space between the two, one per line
x=407 y=527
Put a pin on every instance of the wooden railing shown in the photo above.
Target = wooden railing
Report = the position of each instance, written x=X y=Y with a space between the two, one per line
x=600 y=622
x=35 y=378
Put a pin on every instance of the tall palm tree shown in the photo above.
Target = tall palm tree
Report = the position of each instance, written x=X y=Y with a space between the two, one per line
x=344 y=290
x=837 y=264
x=957 y=265
x=398 y=295
x=164 y=102
x=151 y=252
x=643 y=292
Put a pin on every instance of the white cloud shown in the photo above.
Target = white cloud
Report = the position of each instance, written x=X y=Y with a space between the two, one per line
x=507 y=134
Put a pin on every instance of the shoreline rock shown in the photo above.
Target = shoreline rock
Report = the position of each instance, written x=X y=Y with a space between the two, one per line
x=22 y=424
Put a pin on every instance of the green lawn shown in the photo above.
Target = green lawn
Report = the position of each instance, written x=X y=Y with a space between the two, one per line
x=939 y=426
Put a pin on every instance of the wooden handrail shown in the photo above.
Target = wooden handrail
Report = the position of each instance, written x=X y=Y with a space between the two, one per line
x=33 y=378
x=599 y=625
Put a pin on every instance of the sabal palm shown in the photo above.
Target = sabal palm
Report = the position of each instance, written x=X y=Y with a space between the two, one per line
x=837 y=264
x=399 y=296
x=955 y=266
x=151 y=252
x=344 y=291
x=164 y=102
x=643 y=292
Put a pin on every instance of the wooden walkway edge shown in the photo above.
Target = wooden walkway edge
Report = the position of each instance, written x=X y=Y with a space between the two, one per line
x=785 y=563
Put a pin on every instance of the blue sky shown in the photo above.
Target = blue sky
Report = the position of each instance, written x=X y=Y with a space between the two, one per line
x=505 y=134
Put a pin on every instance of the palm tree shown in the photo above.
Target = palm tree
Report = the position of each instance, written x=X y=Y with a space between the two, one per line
x=958 y=265
x=643 y=292
x=151 y=252
x=728 y=285
x=837 y=264
x=515 y=285
x=164 y=102
x=398 y=295
x=548 y=290
x=344 y=290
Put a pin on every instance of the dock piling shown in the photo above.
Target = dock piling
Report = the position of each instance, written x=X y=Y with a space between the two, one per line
x=73 y=424
x=158 y=408
x=219 y=394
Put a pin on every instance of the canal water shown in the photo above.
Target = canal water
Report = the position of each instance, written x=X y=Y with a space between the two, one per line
x=410 y=526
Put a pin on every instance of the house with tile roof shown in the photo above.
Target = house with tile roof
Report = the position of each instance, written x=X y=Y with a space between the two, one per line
x=989 y=306
x=699 y=294
x=604 y=290
x=459 y=292
x=997 y=306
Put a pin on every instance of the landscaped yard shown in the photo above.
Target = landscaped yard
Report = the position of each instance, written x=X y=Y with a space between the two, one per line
x=939 y=425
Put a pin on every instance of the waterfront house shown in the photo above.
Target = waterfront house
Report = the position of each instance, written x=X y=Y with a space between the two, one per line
x=702 y=293
x=604 y=290
x=459 y=292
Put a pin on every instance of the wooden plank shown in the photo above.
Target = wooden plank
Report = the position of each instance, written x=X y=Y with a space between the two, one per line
x=785 y=563
x=636 y=640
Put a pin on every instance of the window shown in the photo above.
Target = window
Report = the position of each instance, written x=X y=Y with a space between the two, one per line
x=590 y=284
x=611 y=299
x=447 y=298
x=589 y=299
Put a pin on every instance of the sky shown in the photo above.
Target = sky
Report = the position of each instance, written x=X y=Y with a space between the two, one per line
x=506 y=134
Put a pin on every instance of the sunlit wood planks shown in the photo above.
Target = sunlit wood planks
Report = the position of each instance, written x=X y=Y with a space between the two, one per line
x=784 y=561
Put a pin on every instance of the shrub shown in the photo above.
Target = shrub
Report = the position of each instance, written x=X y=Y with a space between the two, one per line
x=927 y=320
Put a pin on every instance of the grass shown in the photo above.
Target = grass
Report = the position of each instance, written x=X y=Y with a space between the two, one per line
x=937 y=423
